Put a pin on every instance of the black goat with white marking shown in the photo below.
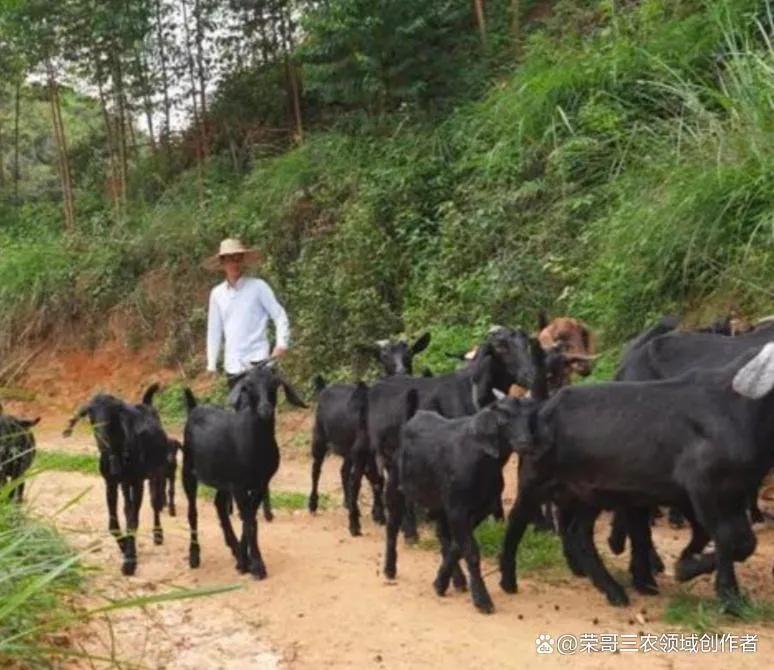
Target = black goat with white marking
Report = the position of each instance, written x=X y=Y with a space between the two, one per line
x=454 y=469
x=701 y=441
x=132 y=448
x=339 y=414
x=17 y=451
x=236 y=453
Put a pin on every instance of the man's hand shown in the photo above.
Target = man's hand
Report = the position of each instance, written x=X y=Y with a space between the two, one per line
x=278 y=352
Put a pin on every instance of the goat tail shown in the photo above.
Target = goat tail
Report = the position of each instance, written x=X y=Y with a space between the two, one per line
x=319 y=384
x=359 y=402
x=412 y=403
x=147 y=397
x=190 y=399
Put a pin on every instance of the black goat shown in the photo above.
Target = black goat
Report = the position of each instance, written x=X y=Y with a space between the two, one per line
x=339 y=413
x=17 y=451
x=506 y=357
x=701 y=441
x=132 y=448
x=454 y=469
x=170 y=474
x=236 y=453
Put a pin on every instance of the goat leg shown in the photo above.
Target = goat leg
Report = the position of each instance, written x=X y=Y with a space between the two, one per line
x=111 y=496
x=522 y=512
x=638 y=521
x=734 y=541
x=156 y=484
x=462 y=532
x=319 y=450
x=190 y=486
x=222 y=500
x=583 y=529
x=395 y=508
x=376 y=480
x=450 y=555
x=353 y=498
x=268 y=515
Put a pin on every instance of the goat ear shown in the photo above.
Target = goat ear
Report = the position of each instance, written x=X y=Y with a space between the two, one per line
x=29 y=423
x=421 y=344
x=485 y=427
x=483 y=379
x=292 y=395
x=235 y=394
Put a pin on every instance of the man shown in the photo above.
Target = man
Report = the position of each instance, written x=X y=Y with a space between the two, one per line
x=240 y=309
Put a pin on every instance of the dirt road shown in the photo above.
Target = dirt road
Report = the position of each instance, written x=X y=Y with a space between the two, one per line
x=325 y=603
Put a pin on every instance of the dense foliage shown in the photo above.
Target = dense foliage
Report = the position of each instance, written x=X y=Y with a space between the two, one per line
x=610 y=159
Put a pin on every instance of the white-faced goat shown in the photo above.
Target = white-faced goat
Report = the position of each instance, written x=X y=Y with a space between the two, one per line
x=701 y=442
x=132 y=448
x=454 y=469
x=235 y=453
x=17 y=451
x=339 y=413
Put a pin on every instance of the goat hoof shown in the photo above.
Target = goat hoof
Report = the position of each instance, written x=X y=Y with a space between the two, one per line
x=129 y=568
x=194 y=561
x=312 y=505
x=647 y=589
x=158 y=537
x=355 y=531
x=411 y=539
x=509 y=585
x=733 y=606
x=440 y=586
x=617 y=599
x=460 y=585
x=378 y=517
x=390 y=573
x=172 y=511
x=616 y=544
x=485 y=606
x=258 y=572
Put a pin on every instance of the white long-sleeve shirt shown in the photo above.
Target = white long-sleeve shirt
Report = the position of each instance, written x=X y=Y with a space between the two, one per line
x=242 y=313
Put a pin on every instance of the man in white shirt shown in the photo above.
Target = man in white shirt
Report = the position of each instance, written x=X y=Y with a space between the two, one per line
x=240 y=309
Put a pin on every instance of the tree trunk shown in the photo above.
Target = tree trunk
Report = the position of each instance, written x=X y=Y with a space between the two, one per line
x=17 y=110
x=291 y=78
x=164 y=77
x=120 y=125
x=144 y=79
x=2 y=158
x=114 y=183
x=516 y=27
x=61 y=143
x=478 y=8
x=201 y=75
x=197 y=126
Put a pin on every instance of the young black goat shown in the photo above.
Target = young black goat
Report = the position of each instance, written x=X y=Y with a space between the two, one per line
x=339 y=413
x=506 y=357
x=236 y=453
x=17 y=451
x=454 y=468
x=701 y=441
x=132 y=448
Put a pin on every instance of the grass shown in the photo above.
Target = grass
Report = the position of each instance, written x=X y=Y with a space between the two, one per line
x=705 y=615
x=64 y=461
x=287 y=500
x=37 y=572
x=538 y=552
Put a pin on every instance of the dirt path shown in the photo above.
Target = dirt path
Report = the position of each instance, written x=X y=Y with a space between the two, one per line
x=325 y=603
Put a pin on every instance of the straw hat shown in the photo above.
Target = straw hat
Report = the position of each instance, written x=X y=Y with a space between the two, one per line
x=230 y=246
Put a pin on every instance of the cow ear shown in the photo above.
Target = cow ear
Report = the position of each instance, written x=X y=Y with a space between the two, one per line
x=588 y=344
x=756 y=378
x=421 y=344
x=485 y=427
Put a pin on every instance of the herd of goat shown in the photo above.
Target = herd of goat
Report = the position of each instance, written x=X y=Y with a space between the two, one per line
x=687 y=423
